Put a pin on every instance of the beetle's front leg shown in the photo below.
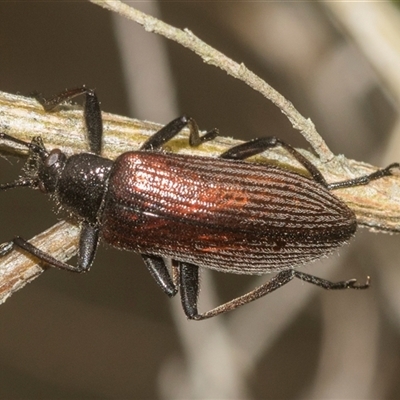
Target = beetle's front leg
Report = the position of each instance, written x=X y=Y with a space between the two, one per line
x=92 y=112
x=88 y=242
x=87 y=249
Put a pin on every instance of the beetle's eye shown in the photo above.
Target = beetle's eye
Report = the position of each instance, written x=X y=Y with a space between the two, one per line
x=53 y=158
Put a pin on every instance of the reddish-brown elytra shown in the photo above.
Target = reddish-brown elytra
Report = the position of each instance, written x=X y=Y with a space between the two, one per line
x=221 y=213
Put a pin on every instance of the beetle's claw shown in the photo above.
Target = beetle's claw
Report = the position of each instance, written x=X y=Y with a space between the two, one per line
x=352 y=284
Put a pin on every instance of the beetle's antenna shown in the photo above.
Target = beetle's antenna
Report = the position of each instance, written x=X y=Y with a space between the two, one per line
x=22 y=182
x=4 y=136
x=30 y=145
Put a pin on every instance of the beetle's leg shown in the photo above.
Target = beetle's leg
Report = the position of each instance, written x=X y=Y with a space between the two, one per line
x=257 y=146
x=323 y=283
x=189 y=288
x=92 y=112
x=37 y=253
x=20 y=182
x=87 y=249
x=88 y=242
x=167 y=132
x=364 y=180
x=9 y=138
x=159 y=271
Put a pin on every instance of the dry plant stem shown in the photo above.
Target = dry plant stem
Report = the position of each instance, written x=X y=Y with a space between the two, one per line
x=211 y=56
x=18 y=269
x=377 y=205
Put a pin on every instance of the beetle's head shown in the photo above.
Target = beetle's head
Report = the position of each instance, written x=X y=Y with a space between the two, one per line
x=42 y=169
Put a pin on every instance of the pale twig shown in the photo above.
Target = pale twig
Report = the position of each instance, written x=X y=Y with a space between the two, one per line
x=18 y=269
x=239 y=71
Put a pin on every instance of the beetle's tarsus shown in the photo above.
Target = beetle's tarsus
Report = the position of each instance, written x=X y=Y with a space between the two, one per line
x=6 y=248
x=352 y=284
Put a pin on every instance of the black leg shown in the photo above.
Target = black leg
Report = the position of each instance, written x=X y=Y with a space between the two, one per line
x=258 y=146
x=88 y=243
x=170 y=130
x=324 y=284
x=4 y=136
x=87 y=250
x=159 y=271
x=20 y=182
x=41 y=256
x=189 y=288
x=36 y=145
x=364 y=180
x=92 y=112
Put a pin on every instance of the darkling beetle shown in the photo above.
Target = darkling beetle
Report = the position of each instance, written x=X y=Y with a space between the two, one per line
x=220 y=213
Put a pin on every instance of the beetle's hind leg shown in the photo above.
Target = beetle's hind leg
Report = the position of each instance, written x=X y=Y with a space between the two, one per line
x=365 y=179
x=189 y=290
x=258 y=146
x=169 y=131
x=324 y=284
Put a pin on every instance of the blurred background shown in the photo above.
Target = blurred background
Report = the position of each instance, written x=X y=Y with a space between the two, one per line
x=112 y=333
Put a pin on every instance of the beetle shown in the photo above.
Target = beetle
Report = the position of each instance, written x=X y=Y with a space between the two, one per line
x=222 y=213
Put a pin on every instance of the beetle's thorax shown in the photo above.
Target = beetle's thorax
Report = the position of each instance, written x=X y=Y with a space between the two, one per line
x=82 y=184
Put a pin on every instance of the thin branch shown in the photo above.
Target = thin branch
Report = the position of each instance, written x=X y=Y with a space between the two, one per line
x=239 y=71
x=18 y=269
